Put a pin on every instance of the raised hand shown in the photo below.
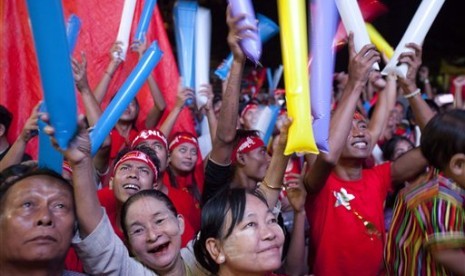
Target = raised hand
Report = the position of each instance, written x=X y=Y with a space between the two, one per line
x=139 y=46
x=237 y=33
x=413 y=61
x=79 y=148
x=31 y=126
x=296 y=193
x=361 y=63
x=80 y=72
x=207 y=91
x=184 y=93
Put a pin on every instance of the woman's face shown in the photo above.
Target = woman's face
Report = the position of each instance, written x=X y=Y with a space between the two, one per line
x=401 y=148
x=130 y=114
x=184 y=157
x=256 y=243
x=154 y=233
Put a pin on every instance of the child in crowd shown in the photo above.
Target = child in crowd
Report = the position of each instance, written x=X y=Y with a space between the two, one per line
x=427 y=236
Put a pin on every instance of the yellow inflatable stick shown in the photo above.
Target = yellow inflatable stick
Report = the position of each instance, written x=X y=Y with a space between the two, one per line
x=381 y=44
x=292 y=21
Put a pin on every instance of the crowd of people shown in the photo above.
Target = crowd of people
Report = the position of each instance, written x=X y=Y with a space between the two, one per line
x=387 y=199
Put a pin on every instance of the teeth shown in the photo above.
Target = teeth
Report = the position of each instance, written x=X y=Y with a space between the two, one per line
x=360 y=145
x=131 y=186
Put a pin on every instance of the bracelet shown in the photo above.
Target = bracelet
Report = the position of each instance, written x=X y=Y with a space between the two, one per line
x=413 y=94
x=271 y=187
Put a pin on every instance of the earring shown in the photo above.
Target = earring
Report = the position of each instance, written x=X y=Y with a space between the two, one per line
x=221 y=259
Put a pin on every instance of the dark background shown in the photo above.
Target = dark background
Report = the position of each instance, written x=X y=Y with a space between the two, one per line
x=445 y=40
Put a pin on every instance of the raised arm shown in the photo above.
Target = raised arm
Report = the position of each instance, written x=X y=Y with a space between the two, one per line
x=423 y=76
x=16 y=152
x=88 y=208
x=207 y=91
x=102 y=87
x=272 y=183
x=92 y=107
x=226 y=131
x=295 y=263
x=420 y=108
x=384 y=105
x=181 y=98
x=159 y=103
x=412 y=163
x=359 y=67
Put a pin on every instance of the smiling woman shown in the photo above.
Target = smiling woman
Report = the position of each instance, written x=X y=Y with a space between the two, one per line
x=239 y=235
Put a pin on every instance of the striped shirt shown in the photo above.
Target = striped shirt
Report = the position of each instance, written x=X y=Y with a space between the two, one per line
x=428 y=216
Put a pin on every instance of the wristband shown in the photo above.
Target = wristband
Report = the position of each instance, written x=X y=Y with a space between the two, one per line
x=271 y=187
x=413 y=94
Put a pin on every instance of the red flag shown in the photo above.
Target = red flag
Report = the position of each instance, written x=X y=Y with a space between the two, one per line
x=100 y=23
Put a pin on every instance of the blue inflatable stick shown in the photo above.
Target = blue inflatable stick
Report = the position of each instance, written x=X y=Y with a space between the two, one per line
x=323 y=30
x=185 y=13
x=144 y=21
x=73 y=26
x=49 y=157
x=124 y=96
x=52 y=49
x=266 y=29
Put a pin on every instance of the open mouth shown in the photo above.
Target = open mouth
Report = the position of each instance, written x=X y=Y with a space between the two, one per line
x=360 y=145
x=132 y=187
x=159 y=249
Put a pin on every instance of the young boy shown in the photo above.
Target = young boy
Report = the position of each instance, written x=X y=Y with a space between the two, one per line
x=427 y=236
x=345 y=200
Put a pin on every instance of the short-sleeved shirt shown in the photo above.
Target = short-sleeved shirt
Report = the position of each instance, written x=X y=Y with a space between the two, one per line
x=341 y=244
x=426 y=216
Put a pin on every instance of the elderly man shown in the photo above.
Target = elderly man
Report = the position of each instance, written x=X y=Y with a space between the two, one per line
x=37 y=221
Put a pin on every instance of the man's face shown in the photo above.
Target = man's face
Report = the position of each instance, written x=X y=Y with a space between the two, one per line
x=130 y=177
x=37 y=220
x=256 y=163
x=358 y=143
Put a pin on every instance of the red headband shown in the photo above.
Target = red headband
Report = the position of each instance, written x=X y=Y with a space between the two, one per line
x=67 y=167
x=278 y=92
x=358 y=116
x=183 y=138
x=136 y=155
x=247 y=108
x=246 y=145
x=149 y=134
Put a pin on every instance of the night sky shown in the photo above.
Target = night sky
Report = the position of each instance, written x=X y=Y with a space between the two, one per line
x=446 y=38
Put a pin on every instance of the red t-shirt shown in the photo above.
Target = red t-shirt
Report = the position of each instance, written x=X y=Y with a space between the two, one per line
x=184 y=201
x=186 y=205
x=340 y=241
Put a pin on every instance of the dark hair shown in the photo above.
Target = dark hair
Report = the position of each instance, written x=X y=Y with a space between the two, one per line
x=143 y=148
x=193 y=188
x=390 y=146
x=158 y=195
x=136 y=101
x=5 y=118
x=243 y=133
x=443 y=137
x=213 y=225
x=13 y=174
